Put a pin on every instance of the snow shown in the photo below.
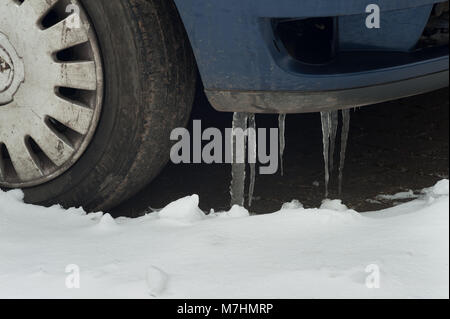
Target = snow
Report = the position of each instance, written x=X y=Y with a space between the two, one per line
x=184 y=210
x=441 y=188
x=179 y=252
x=402 y=195
x=294 y=204
x=235 y=212
x=335 y=204
x=157 y=281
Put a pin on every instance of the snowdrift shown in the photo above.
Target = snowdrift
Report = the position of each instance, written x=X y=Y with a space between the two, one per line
x=179 y=252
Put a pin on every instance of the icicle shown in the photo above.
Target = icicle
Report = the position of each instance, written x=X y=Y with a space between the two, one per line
x=252 y=156
x=282 y=131
x=344 y=139
x=334 y=118
x=326 y=124
x=237 y=187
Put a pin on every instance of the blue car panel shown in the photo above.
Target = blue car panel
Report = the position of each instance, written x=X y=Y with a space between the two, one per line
x=354 y=35
x=245 y=66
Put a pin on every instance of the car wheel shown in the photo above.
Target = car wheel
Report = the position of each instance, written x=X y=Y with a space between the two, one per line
x=89 y=93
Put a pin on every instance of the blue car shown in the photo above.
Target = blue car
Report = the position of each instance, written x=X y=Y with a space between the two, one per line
x=90 y=91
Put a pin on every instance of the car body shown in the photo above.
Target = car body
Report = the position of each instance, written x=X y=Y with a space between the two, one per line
x=246 y=67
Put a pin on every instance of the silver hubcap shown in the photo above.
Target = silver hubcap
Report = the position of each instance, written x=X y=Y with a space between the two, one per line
x=51 y=89
x=11 y=70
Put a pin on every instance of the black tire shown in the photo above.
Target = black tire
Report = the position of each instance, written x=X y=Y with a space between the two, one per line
x=149 y=73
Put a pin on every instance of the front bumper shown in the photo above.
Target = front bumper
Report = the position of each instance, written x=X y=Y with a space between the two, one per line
x=244 y=66
x=306 y=102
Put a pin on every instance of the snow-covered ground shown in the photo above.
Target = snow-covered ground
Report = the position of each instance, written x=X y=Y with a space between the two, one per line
x=181 y=253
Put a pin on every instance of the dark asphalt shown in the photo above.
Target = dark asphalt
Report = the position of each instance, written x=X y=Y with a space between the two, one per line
x=393 y=147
